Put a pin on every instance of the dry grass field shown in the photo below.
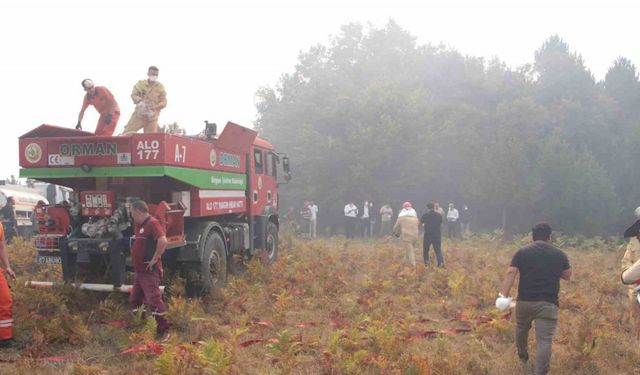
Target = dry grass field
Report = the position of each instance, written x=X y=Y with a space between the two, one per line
x=330 y=307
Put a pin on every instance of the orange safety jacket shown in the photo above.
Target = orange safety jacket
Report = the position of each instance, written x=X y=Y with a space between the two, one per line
x=102 y=100
x=6 y=303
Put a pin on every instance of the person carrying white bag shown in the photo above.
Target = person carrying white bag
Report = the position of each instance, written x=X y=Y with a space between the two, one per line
x=631 y=273
x=540 y=266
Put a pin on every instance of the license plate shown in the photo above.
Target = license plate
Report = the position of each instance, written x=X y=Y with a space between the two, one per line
x=48 y=259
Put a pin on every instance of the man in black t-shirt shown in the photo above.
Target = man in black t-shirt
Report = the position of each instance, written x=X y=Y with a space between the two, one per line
x=432 y=222
x=541 y=266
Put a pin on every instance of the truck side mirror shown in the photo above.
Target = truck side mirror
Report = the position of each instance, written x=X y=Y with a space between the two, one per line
x=285 y=164
x=286 y=176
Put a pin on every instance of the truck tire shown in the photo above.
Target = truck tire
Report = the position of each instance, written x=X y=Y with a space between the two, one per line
x=213 y=268
x=271 y=243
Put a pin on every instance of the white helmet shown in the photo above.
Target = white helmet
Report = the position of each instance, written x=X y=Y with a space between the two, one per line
x=637 y=212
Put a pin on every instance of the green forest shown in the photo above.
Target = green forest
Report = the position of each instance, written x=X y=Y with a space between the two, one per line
x=372 y=114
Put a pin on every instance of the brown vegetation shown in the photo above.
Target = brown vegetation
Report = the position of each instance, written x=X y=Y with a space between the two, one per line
x=329 y=307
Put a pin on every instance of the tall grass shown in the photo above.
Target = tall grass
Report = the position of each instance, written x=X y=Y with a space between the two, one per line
x=331 y=307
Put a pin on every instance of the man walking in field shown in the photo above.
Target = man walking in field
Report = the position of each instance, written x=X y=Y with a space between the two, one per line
x=432 y=222
x=540 y=266
x=631 y=255
x=408 y=229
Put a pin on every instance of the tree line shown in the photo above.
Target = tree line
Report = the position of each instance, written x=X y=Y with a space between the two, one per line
x=374 y=115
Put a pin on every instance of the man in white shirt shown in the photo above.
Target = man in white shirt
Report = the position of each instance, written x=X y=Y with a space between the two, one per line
x=366 y=219
x=386 y=212
x=350 y=216
x=452 y=221
x=314 y=218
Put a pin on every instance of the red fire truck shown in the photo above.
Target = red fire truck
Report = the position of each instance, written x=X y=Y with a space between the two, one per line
x=216 y=196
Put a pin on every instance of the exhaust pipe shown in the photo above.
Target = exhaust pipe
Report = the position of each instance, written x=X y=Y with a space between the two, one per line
x=84 y=286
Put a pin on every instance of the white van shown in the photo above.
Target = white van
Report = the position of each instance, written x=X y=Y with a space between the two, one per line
x=55 y=194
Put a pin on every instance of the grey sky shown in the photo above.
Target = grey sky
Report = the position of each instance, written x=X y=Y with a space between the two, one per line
x=213 y=56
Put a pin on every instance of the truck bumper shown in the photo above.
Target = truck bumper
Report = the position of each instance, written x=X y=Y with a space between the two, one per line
x=86 y=251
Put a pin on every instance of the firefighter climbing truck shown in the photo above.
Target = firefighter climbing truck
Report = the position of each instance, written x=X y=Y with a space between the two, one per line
x=216 y=196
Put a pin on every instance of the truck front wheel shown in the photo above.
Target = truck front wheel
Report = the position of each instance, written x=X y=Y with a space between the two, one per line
x=213 y=268
x=271 y=243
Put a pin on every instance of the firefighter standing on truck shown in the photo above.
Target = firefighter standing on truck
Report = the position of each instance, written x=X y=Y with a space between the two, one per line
x=146 y=253
x=103 y=101
x=149 y=97
x=6 y=302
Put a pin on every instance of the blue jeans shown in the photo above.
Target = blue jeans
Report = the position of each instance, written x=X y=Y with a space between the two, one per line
x=436 y=242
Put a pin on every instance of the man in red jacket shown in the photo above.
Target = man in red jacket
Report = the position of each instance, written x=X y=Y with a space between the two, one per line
x=146 y=254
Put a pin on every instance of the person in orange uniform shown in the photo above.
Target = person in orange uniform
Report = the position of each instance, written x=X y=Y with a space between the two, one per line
x=6 y=302
x=101 y=98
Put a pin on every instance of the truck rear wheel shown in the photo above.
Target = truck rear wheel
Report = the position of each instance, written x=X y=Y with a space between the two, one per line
x=271 y=243
x=213 y=268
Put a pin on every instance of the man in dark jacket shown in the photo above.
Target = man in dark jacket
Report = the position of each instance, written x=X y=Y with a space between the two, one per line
x=432 y=222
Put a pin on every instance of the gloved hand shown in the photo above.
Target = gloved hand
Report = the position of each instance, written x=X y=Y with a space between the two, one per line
x=108 y=118
x=503 y=303
x=79 y=126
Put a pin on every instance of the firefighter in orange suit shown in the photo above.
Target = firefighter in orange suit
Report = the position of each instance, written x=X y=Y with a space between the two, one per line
x=102 y=99
x=6 y=303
